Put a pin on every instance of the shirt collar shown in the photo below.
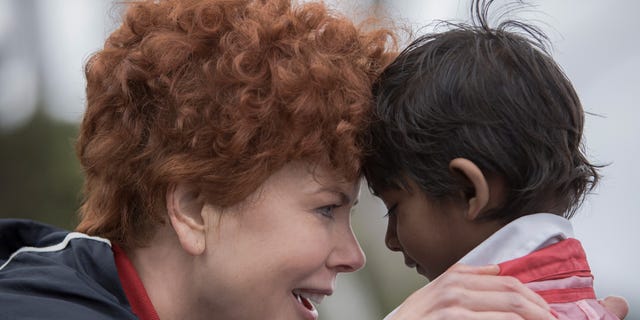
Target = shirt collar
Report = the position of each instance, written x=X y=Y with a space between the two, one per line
x=519 y=238
x=133 y=286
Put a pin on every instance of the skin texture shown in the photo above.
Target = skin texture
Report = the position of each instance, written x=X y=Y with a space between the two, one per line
x=293 y=233
x=243 y=262
x=433 y=234
x=618 y=305
x=465 y=292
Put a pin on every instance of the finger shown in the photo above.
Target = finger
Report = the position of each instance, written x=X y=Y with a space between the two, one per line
x=461 y=313
x=491 y=269
x=616 y=305
x=492 y=315
x=506 y=316
x=488 y=283
x=500 y=301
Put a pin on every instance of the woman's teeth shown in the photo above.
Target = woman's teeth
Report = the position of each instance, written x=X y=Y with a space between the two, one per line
x=309 y=300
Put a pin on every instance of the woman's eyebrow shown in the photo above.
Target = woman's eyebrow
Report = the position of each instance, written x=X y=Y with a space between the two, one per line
x=344 y=198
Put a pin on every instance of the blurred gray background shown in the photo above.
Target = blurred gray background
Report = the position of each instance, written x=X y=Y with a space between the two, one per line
x=44 y=44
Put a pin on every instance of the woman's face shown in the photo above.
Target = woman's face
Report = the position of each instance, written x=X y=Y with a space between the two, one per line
x=278 y=253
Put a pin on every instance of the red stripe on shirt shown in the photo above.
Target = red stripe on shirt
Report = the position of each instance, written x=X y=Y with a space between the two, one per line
x=557 y=261
x=133 y=287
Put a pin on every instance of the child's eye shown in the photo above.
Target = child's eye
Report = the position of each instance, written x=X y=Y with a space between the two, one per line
x=391 y=210
x=327 y=211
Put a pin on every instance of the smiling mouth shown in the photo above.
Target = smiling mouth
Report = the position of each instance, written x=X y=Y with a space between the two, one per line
x=305 y=302
x=309 y=300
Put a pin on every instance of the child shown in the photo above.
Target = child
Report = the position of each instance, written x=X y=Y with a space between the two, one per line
x=477 y=154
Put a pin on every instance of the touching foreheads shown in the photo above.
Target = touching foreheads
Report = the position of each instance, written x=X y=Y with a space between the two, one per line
x=221 y=94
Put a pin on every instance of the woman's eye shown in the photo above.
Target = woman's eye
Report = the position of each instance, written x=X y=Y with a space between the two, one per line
x=327 y=211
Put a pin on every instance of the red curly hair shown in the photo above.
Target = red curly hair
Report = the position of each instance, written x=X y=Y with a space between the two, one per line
x=221 y=93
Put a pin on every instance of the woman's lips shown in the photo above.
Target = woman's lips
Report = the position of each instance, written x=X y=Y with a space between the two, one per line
x=309 y=299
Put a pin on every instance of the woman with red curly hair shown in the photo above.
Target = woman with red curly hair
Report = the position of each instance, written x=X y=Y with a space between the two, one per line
x=221 y=147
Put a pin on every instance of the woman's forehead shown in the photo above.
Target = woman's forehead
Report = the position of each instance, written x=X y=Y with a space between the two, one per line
x=311 y=178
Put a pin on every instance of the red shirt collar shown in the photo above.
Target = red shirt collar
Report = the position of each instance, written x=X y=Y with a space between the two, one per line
x=558 y=261
x=133 y=287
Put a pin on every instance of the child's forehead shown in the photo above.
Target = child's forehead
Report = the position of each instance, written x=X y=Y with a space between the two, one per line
x=403 y=186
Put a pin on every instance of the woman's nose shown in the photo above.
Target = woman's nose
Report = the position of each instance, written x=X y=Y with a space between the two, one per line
x=348 y=255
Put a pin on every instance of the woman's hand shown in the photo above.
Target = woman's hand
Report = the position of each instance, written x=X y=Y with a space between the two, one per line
x=465 y=292
x=616 y=305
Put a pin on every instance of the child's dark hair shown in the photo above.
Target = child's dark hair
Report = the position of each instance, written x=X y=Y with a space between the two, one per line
x=491 y=95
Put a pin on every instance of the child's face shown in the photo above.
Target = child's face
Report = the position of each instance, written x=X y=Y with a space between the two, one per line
x=432 y=235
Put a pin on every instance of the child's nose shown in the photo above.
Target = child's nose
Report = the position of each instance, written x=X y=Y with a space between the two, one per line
x=391 y=238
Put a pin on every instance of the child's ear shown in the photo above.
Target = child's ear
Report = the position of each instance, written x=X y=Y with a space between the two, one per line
x=185 y=211
x=478 y=200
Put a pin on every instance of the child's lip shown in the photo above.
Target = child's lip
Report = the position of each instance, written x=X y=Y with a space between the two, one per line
x=412 y=264
x=409 y=263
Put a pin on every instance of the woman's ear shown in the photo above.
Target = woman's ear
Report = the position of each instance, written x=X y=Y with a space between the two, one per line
x=185 y=210
x=478 y=200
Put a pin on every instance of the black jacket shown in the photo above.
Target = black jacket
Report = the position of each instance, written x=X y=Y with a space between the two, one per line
x=49 y=273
